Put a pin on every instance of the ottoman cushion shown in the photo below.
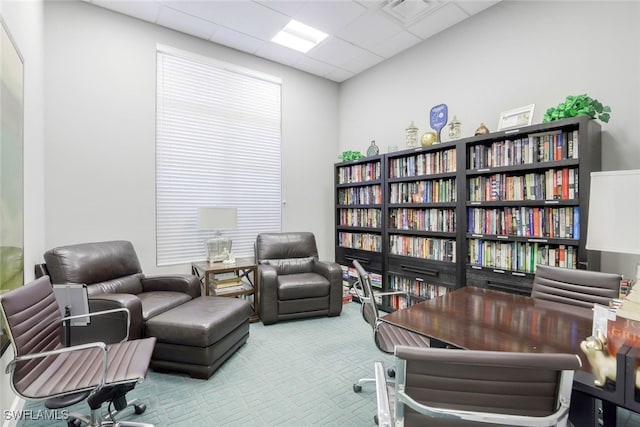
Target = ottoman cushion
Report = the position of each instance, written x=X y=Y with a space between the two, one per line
x=200 y=322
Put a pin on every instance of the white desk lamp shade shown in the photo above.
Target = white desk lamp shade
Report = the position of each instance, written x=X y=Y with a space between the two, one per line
x=218 y=219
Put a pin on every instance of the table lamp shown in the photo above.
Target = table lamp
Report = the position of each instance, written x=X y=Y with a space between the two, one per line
x=614 y=213
x=218 y=219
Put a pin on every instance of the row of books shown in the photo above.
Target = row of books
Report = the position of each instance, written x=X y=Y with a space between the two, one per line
x=423 y=164
x=520 y=256
x=548 y=222
x=539 y=147
x=553 y=184
x=364 y=241
x=416 y=288
x=367 y=195
x=443 y=220
x=350 y=276
x=359 y=173
x=423 y=247
x=355 y=217
x=431 y=191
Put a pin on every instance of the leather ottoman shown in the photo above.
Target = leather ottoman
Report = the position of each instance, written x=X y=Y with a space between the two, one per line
x=199 y=335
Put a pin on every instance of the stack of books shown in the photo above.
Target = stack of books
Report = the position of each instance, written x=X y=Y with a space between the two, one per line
x=227 y=282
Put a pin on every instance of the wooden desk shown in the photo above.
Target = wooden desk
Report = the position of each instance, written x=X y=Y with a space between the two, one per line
x=481 y=319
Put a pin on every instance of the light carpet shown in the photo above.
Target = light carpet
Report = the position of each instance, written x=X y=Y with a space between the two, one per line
x=294 y=373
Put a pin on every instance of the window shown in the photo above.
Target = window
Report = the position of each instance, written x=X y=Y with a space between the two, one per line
x=218 y=144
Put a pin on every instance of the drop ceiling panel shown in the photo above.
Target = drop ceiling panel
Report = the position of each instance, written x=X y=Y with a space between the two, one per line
x=188 y=24
x=441 y=19
x=369 y=30
x=361 y=33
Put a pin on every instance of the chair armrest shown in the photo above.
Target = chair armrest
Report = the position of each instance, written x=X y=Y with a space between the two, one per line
x=101 y=313
x=268 y=280
x=333 y=273
x=102 y=346
x=382 y=396
x=185 y=283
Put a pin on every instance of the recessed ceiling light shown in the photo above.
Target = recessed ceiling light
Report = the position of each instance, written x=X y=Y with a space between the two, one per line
x=299 y=36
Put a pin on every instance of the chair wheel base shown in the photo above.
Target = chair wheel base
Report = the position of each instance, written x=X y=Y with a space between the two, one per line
x=74 y=422
x=357 y=388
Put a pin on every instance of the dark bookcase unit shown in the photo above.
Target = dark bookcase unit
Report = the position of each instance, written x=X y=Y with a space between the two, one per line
x=527 y=195
x=481 y=211
x=421 y=210
x=359 y=218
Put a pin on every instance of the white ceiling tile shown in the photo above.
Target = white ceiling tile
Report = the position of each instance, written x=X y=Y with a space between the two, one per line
x=475 y=6
x=369 y=30
x=372 y=4
x=395 y=44
x=329 y=16
x=362 y=62
x=339 y=75
x=441 y=19
x=314 y=67
x=243 y=16
x=278 y=53
x=236 y=40
x=286 y=7
x=146 y=10
x=180 y=21
x=335 y=51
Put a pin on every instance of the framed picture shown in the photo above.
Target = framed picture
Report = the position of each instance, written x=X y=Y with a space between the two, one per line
x=517 y=117
x=11 y=168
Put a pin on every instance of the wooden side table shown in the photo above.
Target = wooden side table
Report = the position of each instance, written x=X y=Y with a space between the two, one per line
x=245 y=268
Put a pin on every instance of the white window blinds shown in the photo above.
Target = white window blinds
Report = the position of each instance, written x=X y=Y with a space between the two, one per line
x=218 y=144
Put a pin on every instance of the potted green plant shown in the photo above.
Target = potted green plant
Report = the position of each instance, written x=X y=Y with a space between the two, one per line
x=578 y=105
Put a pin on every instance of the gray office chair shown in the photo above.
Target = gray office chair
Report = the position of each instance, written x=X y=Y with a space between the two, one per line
x=580 y=288
x=43 y=368
x=451 y=387
x=385 y=335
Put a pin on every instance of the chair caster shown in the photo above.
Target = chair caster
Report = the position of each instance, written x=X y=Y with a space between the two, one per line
x=357 y=388
x=139 y=408
x=391 y=372
x=375 y=419
x=74 y=422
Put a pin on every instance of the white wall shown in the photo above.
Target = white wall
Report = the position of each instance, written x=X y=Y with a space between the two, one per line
x=24 y=22
x=513 y=54
x=100 y=123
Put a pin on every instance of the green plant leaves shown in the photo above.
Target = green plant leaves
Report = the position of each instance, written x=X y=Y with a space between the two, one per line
x=350 y=155
x=578 y=105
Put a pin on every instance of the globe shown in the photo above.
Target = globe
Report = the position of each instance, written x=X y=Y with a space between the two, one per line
x=428 y=138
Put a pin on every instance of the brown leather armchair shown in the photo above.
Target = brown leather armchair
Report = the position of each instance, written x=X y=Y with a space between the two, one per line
x=195 y=334
x=293 y=282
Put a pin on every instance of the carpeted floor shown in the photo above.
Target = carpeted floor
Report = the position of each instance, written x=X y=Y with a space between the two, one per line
x=296 y=373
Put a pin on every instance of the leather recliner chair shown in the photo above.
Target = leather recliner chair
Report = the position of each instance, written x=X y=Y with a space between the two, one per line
x=293 y=282
x=195 y=334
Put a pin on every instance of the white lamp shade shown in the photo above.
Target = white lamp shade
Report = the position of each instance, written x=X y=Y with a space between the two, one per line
x=210 y=218
x=614 y=212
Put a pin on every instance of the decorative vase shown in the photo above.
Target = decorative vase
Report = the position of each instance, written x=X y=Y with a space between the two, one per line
x=428 y=138
x=373 y=149
x=482 y=130
x=412 y=136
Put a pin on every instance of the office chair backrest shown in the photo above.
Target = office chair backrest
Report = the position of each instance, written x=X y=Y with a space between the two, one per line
x=581 y=288
x=365 y=293
x=526 y=384
x=34 y=322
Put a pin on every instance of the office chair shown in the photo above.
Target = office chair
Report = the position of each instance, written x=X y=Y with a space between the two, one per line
x=43 y=368
x=385 y=335
x=451 y=387
x=580 y=288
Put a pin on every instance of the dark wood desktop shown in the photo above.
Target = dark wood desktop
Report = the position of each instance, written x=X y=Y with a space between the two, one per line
x=480 y=319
